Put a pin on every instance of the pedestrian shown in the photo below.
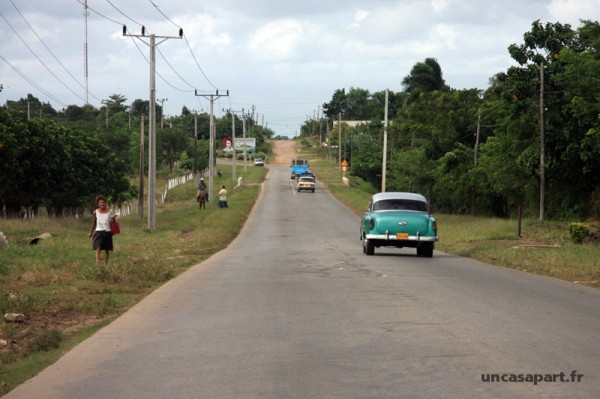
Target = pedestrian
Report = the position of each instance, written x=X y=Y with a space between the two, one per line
x=223 y=198
x=202 y=187
x=102 y=236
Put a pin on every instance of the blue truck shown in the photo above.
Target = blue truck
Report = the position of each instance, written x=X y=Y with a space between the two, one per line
x=299 y=167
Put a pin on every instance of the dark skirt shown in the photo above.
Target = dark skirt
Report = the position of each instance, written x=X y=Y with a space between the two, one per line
x=102 y=240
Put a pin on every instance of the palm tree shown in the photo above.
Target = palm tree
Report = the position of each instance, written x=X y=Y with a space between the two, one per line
x=425 y=76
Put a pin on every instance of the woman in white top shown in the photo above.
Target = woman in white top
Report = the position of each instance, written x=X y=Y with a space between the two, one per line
x=102 y=235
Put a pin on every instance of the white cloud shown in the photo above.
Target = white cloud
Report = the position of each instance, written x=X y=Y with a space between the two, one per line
x=359 y=16
x=270 y=51
x=277 y=40
x=571 y=11
x=439 y=5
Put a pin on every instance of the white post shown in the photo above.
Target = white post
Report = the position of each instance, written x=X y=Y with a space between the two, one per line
x=385 y=126
x=152 y=139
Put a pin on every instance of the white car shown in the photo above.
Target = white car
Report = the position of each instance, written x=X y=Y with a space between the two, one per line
x=306 y=183
x=259 y=162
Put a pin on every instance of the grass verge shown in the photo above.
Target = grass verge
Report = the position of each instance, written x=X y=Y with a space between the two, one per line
x=66 y=297
x=542 y=249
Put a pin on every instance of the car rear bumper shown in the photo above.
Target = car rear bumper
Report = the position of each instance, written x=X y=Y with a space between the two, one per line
x=392 y=237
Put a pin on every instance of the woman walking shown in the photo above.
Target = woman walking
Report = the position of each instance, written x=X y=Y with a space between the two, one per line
x=102 y=235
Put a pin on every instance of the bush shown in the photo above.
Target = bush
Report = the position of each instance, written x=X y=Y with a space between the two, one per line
x=578 y=232
x=45 y=341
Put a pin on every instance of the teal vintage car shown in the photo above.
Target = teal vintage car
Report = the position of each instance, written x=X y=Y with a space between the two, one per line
x=397 y=219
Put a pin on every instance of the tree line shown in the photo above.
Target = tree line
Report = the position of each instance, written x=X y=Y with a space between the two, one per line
x=60 y=160
x=480 y=151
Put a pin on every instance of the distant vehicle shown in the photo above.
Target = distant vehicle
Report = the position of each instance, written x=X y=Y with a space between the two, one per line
x=299 y=166
x=259 y=162
x=396 y=219
x=309 y=174
x=306 y=183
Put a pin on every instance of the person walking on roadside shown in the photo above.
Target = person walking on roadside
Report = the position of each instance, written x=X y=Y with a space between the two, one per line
x=102 y=236
x=223 y=198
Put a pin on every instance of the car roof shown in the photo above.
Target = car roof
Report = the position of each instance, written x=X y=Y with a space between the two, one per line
x=398 y=195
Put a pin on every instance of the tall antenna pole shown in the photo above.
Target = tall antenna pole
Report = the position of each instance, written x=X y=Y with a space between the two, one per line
x=85 y=54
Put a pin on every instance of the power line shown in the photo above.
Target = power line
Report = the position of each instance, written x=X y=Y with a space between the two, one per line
x=47 y=48
x=176 y=73
x=101 y=15
x=163 y=14
x=32 y=82
x=39 y=59
x=123 y=14
x=141 y=52
x=188 y=45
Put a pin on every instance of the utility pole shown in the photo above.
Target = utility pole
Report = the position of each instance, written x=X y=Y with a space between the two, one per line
x=85 y=53
x=542 y=146
x=142 y=168
x=162 y=112
x=244 y=135
x=385 y=127
x=340 y=141
x=233 y=158
x=106 y=102
x=320 y=126
x=211 y=150
x=477 y=136
x=195 y=144
x=152 y=122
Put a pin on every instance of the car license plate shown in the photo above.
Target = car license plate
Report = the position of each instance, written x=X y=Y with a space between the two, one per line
x=401 y=236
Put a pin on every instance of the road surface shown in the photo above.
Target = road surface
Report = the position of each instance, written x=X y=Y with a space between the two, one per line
x=294 y=309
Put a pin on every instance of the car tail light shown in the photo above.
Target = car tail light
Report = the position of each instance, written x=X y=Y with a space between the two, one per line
x=434 y=226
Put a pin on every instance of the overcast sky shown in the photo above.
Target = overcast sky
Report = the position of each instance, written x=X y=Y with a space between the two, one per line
x=285 y=58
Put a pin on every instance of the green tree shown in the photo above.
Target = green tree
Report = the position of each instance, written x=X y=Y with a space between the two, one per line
x=425 y=76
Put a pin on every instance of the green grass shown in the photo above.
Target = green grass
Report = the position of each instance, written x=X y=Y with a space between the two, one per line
x=542 y=249
x=66 y=296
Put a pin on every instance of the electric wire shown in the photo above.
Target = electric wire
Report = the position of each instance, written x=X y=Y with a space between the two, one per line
x=50 y=51
x=135 y=43
x=99 y=14
x=31 y=82
x=39 y=59
x=176 y=73
x=187 y=43
x=123 y=14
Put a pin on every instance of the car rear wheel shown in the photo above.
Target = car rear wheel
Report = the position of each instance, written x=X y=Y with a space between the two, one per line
x=425 y=250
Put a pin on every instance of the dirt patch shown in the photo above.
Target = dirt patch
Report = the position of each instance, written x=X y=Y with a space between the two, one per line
x=285 y=151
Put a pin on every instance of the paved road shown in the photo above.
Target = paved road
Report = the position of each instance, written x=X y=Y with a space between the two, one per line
x=294 y=309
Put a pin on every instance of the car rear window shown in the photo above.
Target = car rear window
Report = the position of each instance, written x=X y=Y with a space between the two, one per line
x=400 y=204
x=306 y=179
